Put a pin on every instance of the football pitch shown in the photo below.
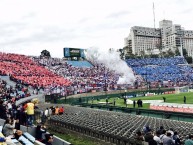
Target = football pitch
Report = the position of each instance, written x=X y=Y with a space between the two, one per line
x=170 y=98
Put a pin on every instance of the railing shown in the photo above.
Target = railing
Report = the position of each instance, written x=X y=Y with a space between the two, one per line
x=40 y=97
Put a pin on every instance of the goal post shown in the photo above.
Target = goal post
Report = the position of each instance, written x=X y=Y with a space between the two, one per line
x=181 y=89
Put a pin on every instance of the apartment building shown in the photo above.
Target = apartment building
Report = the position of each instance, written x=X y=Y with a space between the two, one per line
x=153 y=40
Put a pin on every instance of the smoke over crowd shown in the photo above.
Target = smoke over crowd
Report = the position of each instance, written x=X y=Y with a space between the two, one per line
x=111 y=59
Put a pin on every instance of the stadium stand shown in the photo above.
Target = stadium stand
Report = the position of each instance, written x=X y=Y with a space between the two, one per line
x=84 y=79
x=114 y=127
x=13 y=115
x=171 y=70
x=24 y=70
x=118 y=128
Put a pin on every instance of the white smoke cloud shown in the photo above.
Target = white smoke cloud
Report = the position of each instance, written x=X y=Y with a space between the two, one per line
x=112 y=60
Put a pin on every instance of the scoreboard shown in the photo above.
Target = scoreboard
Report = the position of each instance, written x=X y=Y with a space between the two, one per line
x=73 y=52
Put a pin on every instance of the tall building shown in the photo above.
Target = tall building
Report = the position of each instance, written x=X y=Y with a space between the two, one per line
x=153 y=40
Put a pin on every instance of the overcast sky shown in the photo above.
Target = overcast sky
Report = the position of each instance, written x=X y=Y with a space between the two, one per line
x=29 y=26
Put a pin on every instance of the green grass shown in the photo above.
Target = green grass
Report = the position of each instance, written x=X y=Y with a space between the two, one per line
x=75 y=139
x=170 y=98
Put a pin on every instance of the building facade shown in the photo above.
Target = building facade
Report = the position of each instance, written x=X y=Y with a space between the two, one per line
x=144 y=40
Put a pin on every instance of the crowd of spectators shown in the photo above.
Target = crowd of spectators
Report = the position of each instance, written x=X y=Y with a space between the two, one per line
x=57 y=76
x=24 y=70
x=84 y=79
x=161 y=137
x=175 y=70
x=22 y=114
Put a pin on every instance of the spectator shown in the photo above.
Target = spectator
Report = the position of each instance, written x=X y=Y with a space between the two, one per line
x=157 y=138
x=48 y=139
x=168 y=139
x=3 y=110
x=39 y=131
x=176 y=138
x=8 y=128
x=139 y=138
x=189 y=141
x=161 y=129
x=152 y=141
x=17 y=124
x=163 y=135
x=30 y=113
x=46 y=112
x=56 y=110
x=61 y=110
x=148 y=136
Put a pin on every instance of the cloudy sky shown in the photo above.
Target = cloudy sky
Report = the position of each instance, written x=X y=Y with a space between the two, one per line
x=29 y=26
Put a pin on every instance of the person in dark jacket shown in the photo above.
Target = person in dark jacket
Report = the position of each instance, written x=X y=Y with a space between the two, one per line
x=17 y=124
x=39 y=131
x=3 y=110
x=48 y=139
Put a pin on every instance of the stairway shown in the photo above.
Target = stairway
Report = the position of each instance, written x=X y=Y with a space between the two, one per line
x=7 y=79
x=12 y=83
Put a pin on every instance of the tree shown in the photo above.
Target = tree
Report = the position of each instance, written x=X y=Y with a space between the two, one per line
x=188 y=59
x=177 y=52
x=45 y=53
x=185 y=52
x=170 y=53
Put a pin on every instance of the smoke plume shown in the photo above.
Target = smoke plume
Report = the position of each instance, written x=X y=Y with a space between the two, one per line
x=111 y=59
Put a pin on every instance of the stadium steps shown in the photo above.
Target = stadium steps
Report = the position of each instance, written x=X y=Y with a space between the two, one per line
x=7 y=79
x=12 y=83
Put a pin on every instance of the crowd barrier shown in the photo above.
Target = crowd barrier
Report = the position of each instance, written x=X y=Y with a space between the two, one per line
x=40 y=97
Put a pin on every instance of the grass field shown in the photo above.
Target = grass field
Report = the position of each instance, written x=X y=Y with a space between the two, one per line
x=170 y=98
x=75 y=139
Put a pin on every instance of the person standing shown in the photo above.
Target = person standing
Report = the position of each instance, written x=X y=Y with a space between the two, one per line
x=3 y=110
x=184 y=99
x=107 y=101
x=61 y=110
x=134 y=103
x=30 y=113
x=56 y=110
x=114 y=102
x=164 y=99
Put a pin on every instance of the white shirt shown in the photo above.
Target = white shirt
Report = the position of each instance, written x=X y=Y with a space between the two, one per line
x=46 y=112
x=157 y=139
